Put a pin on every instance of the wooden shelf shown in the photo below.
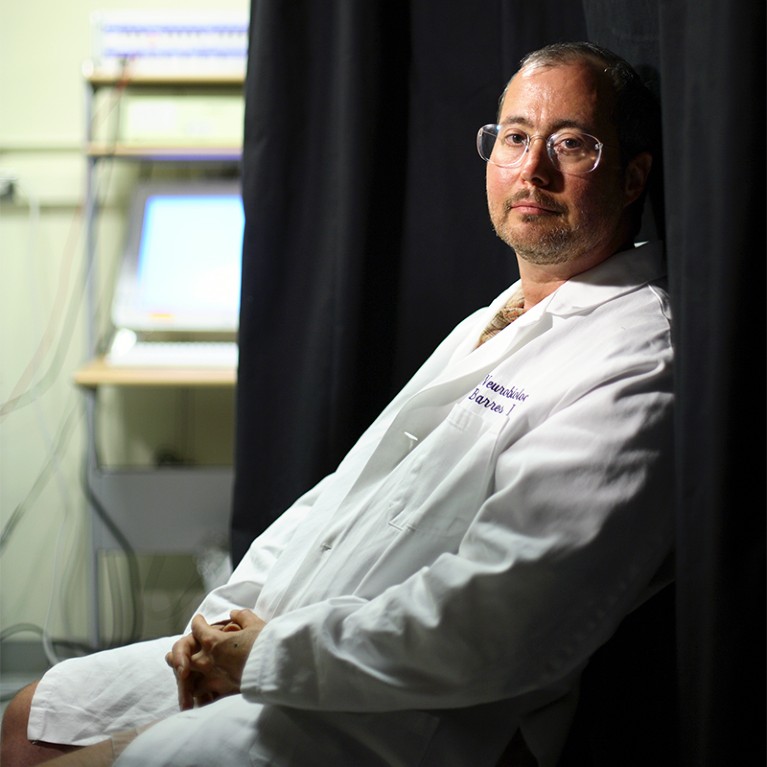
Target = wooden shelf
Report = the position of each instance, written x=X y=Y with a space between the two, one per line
x=175 y=152
x=99 y=372
x=165 y=79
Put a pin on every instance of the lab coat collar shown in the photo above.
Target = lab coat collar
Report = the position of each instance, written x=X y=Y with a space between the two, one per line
x=422 y=411
x=619 y=274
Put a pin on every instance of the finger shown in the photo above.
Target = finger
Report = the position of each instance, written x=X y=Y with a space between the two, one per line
x=245 y=618
x=175 y=658
x=181 y=652
x=201 y=662
x=185 y=694
x=203 y=632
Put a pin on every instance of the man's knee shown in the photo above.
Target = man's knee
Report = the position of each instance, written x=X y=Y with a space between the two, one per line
x=16 y=716
x=16 y=750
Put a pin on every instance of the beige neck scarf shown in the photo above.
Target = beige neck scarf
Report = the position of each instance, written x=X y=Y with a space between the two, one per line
x=513 y=308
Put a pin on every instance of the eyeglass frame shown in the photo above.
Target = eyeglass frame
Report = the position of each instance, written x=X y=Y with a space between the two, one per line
x=549 y=143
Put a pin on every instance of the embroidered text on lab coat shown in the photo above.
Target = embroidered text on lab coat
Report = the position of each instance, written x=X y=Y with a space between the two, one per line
x=481 y=398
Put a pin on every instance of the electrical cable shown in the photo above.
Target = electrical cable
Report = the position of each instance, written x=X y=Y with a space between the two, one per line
x=130 y=555
x=66 y=505
x=67 y=324
x=53 y=451
x=18 y=628
x=51 y=468
x=33 y=628
x=24 y=392
x=54 y=447
x=134 y=579
x=65 y=432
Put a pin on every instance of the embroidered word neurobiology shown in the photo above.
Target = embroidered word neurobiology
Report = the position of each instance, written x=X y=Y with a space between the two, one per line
x=481 y=397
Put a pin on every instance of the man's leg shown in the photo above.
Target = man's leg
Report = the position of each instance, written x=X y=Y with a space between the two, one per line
x=16 y=750
x=218 y=733
x=111 y=691
x=102 y=754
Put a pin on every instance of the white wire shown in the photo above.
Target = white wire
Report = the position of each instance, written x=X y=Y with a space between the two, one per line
x=51 y=448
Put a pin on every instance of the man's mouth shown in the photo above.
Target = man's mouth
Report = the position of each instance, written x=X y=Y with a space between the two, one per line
x=533 y=206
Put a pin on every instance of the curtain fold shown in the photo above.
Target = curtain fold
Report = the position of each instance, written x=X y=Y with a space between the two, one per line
x=321 y=192
x=713 y=68
x=706 y=60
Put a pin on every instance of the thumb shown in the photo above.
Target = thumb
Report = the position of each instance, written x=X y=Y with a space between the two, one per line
x=246 y=618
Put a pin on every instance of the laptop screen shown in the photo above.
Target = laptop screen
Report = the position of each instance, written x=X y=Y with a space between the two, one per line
x=182 y=262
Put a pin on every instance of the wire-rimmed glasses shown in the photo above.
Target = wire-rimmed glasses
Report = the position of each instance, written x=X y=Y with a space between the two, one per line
x=570 y=151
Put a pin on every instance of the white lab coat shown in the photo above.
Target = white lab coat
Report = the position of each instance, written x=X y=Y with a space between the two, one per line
x=449 y=581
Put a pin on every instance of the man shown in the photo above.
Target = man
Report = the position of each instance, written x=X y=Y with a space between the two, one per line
x=444 y=588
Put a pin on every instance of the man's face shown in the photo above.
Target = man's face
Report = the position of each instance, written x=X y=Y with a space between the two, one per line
x=547 y=216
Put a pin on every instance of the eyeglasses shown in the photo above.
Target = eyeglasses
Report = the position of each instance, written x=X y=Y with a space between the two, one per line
x=570 y=151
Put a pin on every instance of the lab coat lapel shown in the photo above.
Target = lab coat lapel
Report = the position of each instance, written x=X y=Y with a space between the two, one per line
x=619 y=274
x=475 y=363
x=427 y=408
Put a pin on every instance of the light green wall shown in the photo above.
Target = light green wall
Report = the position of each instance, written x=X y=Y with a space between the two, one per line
x=43 y=513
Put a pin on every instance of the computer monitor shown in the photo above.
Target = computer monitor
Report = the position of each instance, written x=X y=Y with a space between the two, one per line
x=181 y=266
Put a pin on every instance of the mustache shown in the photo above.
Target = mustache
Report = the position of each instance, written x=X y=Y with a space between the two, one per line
x=538 y=198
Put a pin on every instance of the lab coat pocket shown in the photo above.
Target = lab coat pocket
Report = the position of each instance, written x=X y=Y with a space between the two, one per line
x=439 y=488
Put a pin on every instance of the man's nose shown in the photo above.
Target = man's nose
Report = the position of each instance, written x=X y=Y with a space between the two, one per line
x=536 y=163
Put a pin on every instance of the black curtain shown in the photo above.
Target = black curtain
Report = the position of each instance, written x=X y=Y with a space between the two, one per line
x=367 y=238
x=713 y=68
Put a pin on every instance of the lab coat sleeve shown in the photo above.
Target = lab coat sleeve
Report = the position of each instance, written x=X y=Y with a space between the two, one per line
x=576 y=525
x=245 y=583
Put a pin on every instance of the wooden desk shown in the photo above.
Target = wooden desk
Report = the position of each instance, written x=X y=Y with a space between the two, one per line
x=98 y=372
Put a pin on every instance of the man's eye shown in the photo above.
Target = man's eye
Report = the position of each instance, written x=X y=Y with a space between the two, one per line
x=512 y=138
x=569 y=143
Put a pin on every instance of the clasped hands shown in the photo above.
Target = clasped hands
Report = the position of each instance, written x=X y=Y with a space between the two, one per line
x=208 y=663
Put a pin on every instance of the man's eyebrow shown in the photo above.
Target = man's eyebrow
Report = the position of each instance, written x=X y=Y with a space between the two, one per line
x=514 y=120
x=557 y=126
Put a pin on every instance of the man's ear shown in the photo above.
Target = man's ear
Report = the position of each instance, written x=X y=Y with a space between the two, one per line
x=635 y=178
